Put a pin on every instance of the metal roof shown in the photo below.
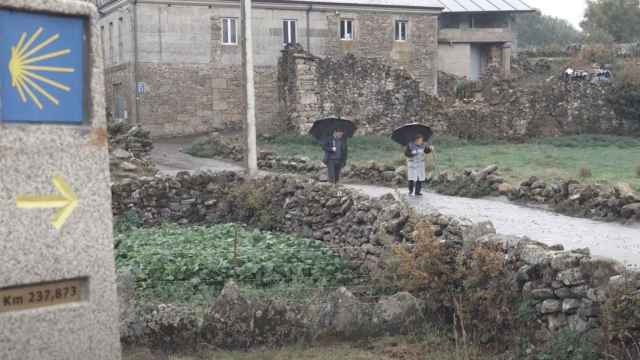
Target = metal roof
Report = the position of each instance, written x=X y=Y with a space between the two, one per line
x=420 y=4
x=477 y=6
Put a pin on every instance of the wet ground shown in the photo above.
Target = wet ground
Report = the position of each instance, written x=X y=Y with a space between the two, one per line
x=621 y=242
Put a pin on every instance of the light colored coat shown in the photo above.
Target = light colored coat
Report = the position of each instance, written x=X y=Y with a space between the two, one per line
x=415 y=164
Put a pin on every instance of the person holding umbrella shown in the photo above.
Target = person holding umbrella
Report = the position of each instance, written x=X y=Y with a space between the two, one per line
x=416 y=139
x=335 y=154
x=333 y=134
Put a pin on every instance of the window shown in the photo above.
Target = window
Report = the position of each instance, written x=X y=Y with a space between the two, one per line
x=104 y=51
x=346 y=29
x=120 y=41
x=289 y=31
x=111 y=52
x=229 y=31
x=401 y=30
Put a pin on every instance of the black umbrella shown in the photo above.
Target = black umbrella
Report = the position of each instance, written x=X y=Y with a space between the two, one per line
x=407 y=133
x=323 y=128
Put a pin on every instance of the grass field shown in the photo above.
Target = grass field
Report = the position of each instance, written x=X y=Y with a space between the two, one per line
x=603 y=159
x=435 y=346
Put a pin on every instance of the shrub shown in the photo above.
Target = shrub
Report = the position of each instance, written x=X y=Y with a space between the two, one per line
x=598 y=53
x=621 y=316
x=185 y=263
x=625 y=97
x=455 y=282
x=256 y=204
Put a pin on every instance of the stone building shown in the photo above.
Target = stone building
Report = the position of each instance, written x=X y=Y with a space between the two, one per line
x=475 y=36
x=174 y=66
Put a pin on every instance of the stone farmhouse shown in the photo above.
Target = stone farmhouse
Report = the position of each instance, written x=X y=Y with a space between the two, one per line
x=174 y=66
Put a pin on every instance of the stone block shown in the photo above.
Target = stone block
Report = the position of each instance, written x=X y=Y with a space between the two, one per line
x=571 y=277
x=556 y=322
x=543 y=294
x=218 y=83
x=551 y=306
x=63 y=256
x=570 y=306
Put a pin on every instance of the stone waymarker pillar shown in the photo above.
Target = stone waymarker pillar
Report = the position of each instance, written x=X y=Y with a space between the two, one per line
x=57 y=279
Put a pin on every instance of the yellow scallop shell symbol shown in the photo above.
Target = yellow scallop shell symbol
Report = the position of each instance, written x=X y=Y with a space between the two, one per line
x=26 y=74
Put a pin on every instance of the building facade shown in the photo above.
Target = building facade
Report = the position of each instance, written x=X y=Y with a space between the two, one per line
x=475 y=36
x=174 y=66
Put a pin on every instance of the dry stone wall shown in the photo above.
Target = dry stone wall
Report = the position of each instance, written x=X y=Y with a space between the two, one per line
x=281 y=203
x=375 y=95
x=380 y=97
x=507 y=110
x=234 y=321
x=559 y=289
x=129 y=151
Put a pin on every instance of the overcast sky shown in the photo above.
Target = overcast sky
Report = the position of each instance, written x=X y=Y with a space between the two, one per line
x=572 y=10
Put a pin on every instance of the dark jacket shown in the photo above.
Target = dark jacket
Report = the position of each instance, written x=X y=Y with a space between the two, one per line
x=341 y=152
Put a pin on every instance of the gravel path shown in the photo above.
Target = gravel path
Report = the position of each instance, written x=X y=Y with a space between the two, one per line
x=614 y=240
x=618 y=241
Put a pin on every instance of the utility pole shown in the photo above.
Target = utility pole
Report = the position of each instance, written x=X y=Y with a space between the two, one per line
x=249 y=89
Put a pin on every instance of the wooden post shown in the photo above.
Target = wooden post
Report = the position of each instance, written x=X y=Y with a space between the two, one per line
x=249 y=89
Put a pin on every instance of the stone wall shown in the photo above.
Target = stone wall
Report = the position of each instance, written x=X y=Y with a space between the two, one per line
x=286 y=204
x=558 y=289
x=418 y=55
x=507 y=110
x=129 y=152
x=238 y=322
x=377 y=96
x=564 y=288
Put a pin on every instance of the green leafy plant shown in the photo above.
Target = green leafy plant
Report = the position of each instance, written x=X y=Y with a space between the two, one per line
x=175 y=263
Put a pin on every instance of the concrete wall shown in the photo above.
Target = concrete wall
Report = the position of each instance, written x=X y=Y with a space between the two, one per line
x=470 y=44
x=193 y=82
x=455 y=59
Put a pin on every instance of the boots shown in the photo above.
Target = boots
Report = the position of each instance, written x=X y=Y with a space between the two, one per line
x=419 y=188
x=411 y=185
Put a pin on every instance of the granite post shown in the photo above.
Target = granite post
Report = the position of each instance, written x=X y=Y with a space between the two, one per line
x=57 y=279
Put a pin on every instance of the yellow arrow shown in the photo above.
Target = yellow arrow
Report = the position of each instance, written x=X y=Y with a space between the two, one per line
x=66 y=202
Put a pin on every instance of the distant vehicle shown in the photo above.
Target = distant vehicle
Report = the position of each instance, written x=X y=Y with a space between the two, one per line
x=602 y=75
x=571 y=74
x=581 y=75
